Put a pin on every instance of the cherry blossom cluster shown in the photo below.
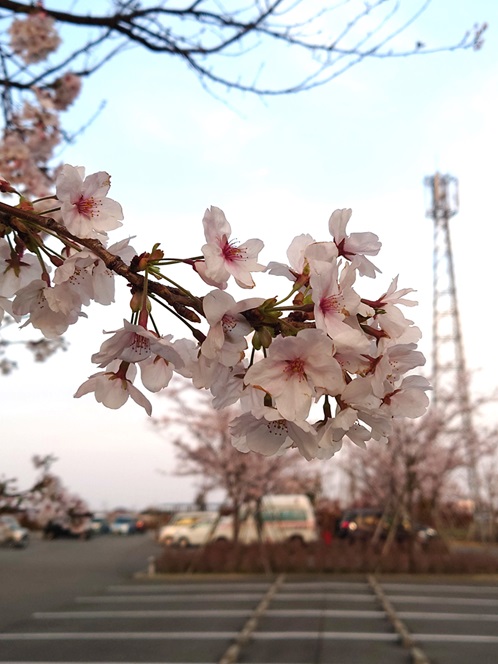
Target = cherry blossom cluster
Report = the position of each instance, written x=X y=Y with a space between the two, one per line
x=32 y=128
x=308 y=370
x=34 y=38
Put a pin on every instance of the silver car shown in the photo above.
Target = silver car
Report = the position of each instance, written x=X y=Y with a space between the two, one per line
x=11 y=533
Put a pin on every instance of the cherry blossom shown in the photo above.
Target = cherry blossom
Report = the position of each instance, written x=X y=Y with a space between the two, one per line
x=112 y=388
x=33 y=38
x=85 y=209
x=356 y=246
x=333 y=296
x=296 y=253
x=226 y=339
x=16 y=270
x=51 y=310
x=224 y=258
x=134 y=343
x=409 y=399
x=271 y=434
x=296 y=370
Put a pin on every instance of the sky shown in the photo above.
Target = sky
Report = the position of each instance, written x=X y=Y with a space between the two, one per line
x=277 y=167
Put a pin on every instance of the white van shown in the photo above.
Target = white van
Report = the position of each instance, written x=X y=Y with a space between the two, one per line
x=288 y=518
x=283 y=518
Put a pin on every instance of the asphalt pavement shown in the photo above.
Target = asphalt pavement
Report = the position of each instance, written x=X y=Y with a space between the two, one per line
x=75 y=601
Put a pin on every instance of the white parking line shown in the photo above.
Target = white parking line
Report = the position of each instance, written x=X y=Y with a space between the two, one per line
x=110 y=599
x=170 y=636
x=438 y=586
x=468 y=617
x=187 y=587
x=187 y=613
x=454 y=638
x=222 y=597
x=166 y=613
x=191 y=587
x=306 y=597
x=462 y=601
x=318 y=635
x=114 y=636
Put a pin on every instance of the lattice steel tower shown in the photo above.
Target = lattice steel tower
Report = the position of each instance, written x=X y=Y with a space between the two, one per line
x=449 y=372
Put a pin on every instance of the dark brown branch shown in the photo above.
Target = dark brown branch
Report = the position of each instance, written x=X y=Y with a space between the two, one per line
x=173 y=296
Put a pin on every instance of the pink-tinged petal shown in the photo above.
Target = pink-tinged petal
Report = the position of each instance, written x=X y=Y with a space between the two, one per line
x=109 y=211
x=338 y=222
x=216 y=304
x=296 y=251
x=69 y=182
x=295 y=402
x=201 y=269
x=113 y=392
x=304 y=439
x=215 y=225
x=85 y=388
x=96 y=185
x=140 y=399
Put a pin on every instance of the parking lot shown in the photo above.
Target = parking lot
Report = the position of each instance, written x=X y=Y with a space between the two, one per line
x=109 y=616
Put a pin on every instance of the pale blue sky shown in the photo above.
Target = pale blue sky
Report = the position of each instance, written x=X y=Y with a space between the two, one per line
x=277 y=168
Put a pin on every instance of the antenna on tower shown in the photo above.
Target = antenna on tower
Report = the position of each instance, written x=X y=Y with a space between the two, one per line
x=449 y=372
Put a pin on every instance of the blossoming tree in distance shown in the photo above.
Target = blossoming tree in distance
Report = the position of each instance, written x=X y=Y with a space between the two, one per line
x=317 y=365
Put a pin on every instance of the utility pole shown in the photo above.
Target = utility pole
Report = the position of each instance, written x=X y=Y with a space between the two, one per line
x=450 y=379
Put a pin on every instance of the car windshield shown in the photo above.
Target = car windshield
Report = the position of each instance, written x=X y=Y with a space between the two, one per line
x=10 y=521
x=189 y=520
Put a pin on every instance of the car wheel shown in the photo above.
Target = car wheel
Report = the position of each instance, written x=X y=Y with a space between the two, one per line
x=183 y=543
x=296 y=542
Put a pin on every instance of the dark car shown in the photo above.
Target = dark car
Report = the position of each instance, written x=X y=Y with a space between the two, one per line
x=366 y=523
x=59 y=529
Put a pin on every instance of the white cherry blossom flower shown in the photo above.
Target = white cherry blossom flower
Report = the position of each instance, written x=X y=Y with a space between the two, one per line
x=134 y=343
x=86 y=211
x=226 y=339
x=297 y=259
x=331 y=434
x=271 y=434
x=334 y=297
x=223 y=257
x=51 y=310
x=394 y=363
x=16 y=271
x=227 y=386
x=390 y=318
x=354 y=247
x=409 y=399
x=112 y=388
x=297 y=370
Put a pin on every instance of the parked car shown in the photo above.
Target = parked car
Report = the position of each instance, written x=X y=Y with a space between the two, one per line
x=188 y=529
x=100 y=525
x=126 y=524
x=68 y=528
x=364 y=523
x=12 y=533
